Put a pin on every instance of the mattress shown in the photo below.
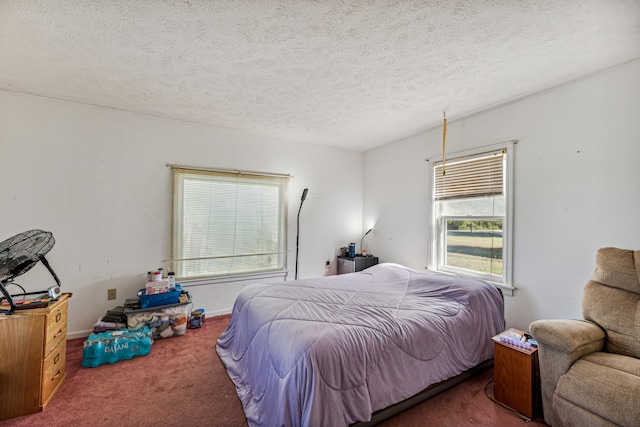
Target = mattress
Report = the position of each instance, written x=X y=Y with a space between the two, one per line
x=330 y=351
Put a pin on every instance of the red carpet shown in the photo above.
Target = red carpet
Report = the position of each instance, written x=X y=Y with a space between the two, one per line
x=182 y=382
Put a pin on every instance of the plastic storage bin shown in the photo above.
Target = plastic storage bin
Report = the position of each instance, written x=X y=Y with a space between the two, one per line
x=164 y=322
x=114 y=346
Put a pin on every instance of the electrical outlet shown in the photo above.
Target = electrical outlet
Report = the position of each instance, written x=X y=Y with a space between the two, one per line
x=111 y=294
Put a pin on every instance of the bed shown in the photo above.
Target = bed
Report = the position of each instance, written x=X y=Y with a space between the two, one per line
x=334 y=351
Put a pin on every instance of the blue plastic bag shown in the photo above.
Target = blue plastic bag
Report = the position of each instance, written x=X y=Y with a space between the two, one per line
x=155 y=300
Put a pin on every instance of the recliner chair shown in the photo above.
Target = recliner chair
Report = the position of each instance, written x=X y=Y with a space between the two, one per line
x=590 y=369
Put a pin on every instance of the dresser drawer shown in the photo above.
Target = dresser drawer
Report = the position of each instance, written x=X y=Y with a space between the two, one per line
x=56 y=331
x=53 y=371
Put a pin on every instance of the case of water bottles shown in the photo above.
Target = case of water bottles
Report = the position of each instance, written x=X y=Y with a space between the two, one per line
x=114 y=346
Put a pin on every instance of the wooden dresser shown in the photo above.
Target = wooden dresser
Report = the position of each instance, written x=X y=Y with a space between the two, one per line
x=33 y=348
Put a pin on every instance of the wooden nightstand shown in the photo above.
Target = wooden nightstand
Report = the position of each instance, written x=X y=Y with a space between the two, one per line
x=516 y=376
x=32 y=357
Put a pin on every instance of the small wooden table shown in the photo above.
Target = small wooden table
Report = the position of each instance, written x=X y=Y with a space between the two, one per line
x=516 y=376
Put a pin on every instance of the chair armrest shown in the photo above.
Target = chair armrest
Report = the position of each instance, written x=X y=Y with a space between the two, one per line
x=560 y=343
x=573 y=337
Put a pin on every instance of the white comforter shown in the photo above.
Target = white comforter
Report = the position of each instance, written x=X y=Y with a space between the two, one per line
x=330 y=351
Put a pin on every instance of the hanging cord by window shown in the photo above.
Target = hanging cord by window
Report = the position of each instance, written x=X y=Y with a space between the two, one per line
x=444 y=139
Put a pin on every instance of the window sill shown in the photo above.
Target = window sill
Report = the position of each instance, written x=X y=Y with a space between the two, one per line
x=235 y=278
x=506 y=289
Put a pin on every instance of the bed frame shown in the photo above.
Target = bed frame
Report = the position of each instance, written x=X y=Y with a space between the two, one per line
x=432 y=390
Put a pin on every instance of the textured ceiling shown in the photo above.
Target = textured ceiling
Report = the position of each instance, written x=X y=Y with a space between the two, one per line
x=351 y=74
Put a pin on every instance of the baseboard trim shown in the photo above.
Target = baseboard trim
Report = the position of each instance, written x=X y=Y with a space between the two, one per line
x=79 y=334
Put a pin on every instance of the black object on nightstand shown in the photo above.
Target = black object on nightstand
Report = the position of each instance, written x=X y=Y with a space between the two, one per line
x=358 y=263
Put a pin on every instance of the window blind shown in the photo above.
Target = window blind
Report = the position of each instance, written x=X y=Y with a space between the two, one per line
x=473 y=176
x=227 y=222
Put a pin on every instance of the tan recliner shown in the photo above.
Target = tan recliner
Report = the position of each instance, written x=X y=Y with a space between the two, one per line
x=590 y=369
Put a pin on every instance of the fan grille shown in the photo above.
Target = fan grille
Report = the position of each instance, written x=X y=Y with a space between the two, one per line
x=21 y=252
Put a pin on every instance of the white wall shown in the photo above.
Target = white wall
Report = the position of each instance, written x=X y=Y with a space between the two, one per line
x=97 y=179
x=577 y=187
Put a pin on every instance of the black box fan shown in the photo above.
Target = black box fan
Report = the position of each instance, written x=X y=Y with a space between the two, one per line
x=18 y=255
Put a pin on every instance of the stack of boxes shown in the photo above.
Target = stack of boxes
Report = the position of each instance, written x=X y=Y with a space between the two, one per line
x=161 y=310
x=164 y=307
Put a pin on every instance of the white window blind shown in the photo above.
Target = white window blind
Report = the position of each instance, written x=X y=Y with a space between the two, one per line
x=227 y=223
x=474 y=176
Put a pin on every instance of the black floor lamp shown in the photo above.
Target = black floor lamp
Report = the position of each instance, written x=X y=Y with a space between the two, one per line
x=304 y=196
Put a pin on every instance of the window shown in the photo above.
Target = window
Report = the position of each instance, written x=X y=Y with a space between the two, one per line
x=227 y=223
x=471 y=220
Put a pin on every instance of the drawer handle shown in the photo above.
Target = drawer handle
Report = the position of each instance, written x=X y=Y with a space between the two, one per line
x=55 y=359
x=58 y=334
x=56 y=375
x=58 y=316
